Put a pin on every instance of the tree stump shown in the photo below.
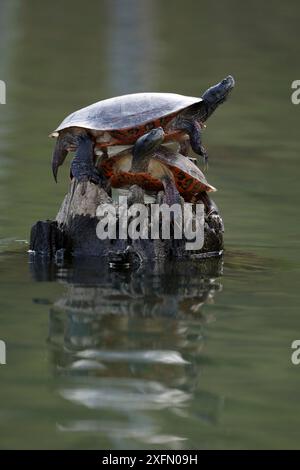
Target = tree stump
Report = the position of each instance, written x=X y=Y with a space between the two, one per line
x=73 y=233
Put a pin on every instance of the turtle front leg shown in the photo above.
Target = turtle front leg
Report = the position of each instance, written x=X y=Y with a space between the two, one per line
x=172 y=198
x=171 y=193
x=82 y=167
x=193 y=129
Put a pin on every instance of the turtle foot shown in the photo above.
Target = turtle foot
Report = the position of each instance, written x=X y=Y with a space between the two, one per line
x=136 y=195
x=216 y=222
x=84 y=172
x=82 y=166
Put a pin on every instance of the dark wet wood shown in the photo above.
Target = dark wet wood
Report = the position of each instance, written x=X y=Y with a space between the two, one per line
x=73 y=232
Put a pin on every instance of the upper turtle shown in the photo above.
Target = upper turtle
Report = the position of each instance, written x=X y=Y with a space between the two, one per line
x=123 y=112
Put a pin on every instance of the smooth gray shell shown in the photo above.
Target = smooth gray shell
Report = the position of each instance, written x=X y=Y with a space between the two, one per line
x=127 y=111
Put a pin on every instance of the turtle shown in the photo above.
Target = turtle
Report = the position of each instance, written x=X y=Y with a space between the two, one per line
x=123 y=119
x=154 y=167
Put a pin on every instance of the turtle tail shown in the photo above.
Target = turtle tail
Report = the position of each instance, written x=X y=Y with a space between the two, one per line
x=59 y=156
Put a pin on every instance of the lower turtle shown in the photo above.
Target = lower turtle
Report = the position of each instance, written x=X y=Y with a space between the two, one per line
x=154 y=167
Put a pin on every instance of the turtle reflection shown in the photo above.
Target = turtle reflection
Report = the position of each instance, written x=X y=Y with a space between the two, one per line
x=129 y=346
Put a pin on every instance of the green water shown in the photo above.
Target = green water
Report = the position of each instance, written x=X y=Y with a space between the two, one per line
x=172 y=359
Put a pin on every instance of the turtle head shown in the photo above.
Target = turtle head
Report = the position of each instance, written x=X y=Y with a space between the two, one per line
x=217 y=94
x=148 y=143
x=145 y=147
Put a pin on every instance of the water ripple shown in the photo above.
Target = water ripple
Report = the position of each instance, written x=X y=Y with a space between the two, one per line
x=160 y=357
x=134 y=395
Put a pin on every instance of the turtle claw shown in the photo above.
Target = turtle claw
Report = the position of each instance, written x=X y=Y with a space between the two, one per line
x=54 y=171
x=59 y=156
x=216 y=221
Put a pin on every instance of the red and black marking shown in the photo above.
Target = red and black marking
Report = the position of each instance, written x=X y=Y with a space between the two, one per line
x=144 y=180
x=187 y=186
x=130 y=136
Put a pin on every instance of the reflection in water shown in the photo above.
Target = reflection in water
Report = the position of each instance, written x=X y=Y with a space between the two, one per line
x=125 y=350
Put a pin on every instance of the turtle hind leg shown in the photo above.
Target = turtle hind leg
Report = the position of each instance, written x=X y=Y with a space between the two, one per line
x=211 y=209
x=209 y=205
x=82 y=167
x=193 y=129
